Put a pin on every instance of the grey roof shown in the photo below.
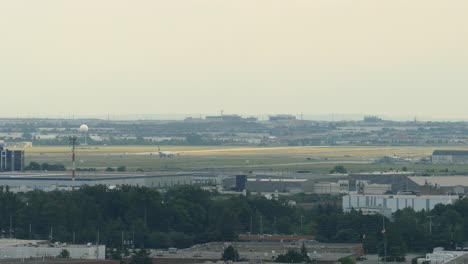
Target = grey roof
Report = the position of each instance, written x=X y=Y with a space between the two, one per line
x=84 y=176
x=451 y=152
x=443 y=181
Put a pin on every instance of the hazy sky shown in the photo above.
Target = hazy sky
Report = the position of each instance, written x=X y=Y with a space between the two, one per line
x=94 y=57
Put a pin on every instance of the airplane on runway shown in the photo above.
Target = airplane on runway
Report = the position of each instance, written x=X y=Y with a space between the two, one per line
x=166 y=154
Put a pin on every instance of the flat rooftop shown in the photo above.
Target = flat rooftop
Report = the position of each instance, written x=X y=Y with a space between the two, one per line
x=264 y=250
x=269 y=246
x=7 y=242
x=404 y=196
x=383 y=173
x=275 y=180
x=84 y=176
x=442 y=181
x=18 y=242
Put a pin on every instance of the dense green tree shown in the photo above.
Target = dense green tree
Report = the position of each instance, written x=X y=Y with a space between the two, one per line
x=305 y=255
x=33 y=166
x=292 y=256
x=186 y=215
x=346 y=260
x=339 y=169
x=230 y=253
x=141 y=256
x=65 y=254
x=52 y=167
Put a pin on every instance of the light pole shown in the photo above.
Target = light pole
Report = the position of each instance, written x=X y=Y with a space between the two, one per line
x=302 y=231
x=261 y=225
x=385 y=239
x=430 y=223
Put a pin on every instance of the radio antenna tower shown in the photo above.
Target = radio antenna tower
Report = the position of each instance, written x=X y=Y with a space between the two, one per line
x=73 y=143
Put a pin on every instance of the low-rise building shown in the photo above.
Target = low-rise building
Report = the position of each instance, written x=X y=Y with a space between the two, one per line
x=274 y=118
x=63 y=181
x=264 y=185
x=25 y=249
x=342 y=186
x=450 y=157
x=440 y=256
x=393 y=203
x=272 y=238
x=439 y=184
x=364 y=187
x=397 y=179
x=258 y=252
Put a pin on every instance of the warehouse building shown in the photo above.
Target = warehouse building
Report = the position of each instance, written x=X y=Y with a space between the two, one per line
x=276 y=118
x=392 y=203
x=342 y=186
x=63 y=181
x=11 y=160
x=450 y=157
x=439 y=184
x=283 y=185
x=259 y=252
x=364 y=187
x=38 y=249
x=263 y=185
x=398 y=180
x=268 y=182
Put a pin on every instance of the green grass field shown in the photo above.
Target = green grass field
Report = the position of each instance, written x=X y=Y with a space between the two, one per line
x=222 y=158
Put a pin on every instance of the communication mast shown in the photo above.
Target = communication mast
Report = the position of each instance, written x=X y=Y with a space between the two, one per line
x=73 y=143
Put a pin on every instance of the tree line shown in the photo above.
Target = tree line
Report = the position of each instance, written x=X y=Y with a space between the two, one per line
x=143 y=216
x=182 y=216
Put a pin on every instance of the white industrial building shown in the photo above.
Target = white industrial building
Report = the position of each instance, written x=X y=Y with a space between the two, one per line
x=439 y=256
x=25 y=249
x=392 y=203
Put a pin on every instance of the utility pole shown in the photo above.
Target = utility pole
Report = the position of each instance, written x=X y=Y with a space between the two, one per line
x=274 y=225
x=122 y=241
x=302 y=230
x=51 y=233
x=133 y=233
x=261 y=225
x=72 y=140
x=11 y=226
x=430 y=223
x=385 y=239
x=97 y=244
x=145 y=217
x=250 y=224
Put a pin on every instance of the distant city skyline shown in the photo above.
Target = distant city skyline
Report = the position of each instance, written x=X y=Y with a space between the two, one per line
x=261 y=117
x=395 y=59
